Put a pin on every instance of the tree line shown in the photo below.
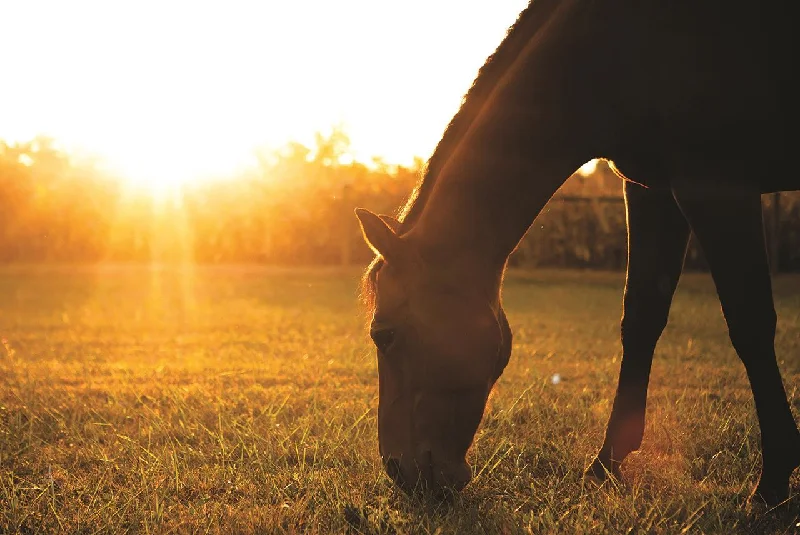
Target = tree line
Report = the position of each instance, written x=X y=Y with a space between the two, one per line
x=294 y=208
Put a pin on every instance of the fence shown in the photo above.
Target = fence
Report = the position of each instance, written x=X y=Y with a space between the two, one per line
x=590 y=232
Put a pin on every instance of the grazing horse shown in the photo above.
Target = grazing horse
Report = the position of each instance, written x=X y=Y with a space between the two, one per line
x=694 y=103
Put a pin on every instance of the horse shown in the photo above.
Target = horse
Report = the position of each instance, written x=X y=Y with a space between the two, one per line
x=691 y=103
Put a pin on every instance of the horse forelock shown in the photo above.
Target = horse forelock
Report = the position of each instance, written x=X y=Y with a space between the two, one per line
x=368 y=281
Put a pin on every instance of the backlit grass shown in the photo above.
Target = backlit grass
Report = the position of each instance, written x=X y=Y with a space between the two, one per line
x=243 y=400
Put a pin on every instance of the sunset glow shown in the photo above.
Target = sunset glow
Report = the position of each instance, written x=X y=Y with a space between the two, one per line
x=172 y=92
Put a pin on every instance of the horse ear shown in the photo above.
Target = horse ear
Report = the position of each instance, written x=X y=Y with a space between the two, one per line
x=379 y=235
x=392 y=222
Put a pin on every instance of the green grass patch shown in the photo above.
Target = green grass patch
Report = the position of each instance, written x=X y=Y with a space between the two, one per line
x=243 y=400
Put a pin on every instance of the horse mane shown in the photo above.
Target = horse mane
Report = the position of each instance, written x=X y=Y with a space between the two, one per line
x=533 y=17
x=517 y=36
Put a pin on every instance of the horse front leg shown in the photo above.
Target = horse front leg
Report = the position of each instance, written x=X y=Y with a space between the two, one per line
x=657 y=237
x=728 y=222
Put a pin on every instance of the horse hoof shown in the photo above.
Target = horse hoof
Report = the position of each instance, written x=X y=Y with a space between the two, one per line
x=593 y=480
x=772 y=491
x=599 y=473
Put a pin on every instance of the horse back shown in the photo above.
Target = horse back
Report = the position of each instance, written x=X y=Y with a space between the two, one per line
x=702 y=84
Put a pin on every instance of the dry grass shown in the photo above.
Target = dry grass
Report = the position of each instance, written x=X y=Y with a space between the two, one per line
x=237 y=400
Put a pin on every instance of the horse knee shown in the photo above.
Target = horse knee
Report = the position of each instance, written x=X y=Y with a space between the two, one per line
x=643 y=322
x=753 y=334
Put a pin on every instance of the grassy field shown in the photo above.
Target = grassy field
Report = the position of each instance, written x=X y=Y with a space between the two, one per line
x=243 y=400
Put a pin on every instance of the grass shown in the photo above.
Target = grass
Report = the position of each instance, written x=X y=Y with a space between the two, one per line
x=243 y=400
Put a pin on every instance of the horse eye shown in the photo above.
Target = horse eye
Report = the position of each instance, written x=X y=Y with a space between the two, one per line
x=383 y=338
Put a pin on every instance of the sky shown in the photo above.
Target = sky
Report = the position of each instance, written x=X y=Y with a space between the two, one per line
x=173 y=90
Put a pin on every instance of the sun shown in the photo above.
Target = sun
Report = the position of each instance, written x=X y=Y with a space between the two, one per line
x=163 y=165
x=157 y=178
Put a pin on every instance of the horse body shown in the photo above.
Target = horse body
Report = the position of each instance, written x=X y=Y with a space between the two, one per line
x=706 y=85
x=693 y=104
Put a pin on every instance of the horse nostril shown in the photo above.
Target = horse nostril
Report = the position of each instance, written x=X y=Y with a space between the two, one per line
x=460 y=480
x=425 y=467
x=426 y=458
x=392 y=466
x=453 y=477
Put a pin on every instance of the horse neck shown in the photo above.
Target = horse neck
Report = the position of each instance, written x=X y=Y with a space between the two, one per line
x=533 y=130
x=483 y=204
x=494 y=185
